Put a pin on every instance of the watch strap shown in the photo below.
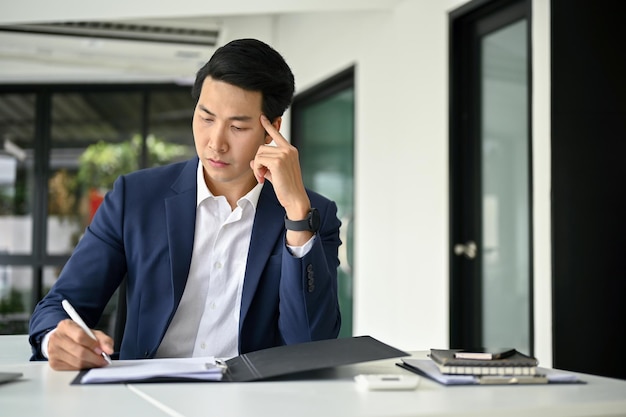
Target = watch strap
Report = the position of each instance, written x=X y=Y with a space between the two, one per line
x=309 y=223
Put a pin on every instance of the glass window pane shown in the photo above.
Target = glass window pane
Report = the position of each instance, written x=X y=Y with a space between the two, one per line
x=89 y=117
x=505 y=258
x=50 y=275
x=96 y=136
x=170 y=138
x=15 y=296
x=327 y=154
x=17 y=124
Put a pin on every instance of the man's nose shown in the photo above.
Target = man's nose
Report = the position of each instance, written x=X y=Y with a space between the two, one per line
x=218 y=140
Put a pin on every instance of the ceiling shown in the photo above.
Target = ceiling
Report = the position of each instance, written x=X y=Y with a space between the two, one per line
x=47 y=58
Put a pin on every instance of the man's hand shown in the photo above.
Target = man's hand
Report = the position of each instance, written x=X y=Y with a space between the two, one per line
x=70 y=348
x=280 y=164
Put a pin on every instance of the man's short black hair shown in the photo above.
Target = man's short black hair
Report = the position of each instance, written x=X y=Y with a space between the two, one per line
x=254 y=66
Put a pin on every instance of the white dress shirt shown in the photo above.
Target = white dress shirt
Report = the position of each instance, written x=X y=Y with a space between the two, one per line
x=206 y=322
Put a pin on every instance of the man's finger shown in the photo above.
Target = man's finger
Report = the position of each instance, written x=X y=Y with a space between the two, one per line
x=273 y=132
x=106 y=342
x=259 y=171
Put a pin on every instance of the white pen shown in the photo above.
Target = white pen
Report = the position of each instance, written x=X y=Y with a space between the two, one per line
x=74 y=316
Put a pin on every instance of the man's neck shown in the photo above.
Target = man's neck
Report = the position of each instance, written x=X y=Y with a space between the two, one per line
x=232 y=192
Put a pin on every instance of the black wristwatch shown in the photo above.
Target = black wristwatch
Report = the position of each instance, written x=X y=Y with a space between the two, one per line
x=311 y=223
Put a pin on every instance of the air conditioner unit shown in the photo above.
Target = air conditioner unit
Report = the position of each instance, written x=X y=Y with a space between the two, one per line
x=120 y=51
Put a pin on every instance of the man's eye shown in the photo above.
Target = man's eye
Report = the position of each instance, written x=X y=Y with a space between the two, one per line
x=238 y=128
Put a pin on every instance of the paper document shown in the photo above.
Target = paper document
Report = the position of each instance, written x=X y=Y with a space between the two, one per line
x=204 y=369
x=428 y=368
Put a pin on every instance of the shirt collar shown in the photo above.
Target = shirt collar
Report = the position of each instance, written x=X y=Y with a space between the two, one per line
x=203 y=191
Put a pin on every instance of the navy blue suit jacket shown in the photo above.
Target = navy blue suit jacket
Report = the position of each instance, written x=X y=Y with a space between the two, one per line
x=144 y=230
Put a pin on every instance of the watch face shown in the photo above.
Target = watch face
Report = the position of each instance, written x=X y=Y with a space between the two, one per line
x=314 y=220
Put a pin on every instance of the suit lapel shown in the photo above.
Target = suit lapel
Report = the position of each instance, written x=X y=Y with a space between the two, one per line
x=268 y=224
x=181 y=221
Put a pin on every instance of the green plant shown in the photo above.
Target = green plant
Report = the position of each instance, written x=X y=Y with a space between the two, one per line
x=101 y=163
x=12 y=303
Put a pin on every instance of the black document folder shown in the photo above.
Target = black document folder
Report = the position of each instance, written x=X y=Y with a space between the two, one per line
x=290 y=359
x=269 y=363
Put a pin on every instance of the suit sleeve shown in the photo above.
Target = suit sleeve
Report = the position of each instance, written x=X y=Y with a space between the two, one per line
x=309 y=305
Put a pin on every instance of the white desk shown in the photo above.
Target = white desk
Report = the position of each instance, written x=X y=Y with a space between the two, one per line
x=14 y=349
x=44 y=392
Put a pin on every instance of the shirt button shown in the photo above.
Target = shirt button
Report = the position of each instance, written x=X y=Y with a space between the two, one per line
x=203 y=345
x=218 y=265
x=212 y=305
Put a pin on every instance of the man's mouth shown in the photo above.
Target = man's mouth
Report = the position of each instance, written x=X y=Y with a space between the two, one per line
x=217 y=163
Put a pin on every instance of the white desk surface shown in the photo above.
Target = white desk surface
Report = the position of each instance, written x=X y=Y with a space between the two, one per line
x=14 y=349
x=48 y=393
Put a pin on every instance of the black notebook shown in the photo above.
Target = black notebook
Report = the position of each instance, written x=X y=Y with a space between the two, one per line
x=262 y=364
x=515 y=364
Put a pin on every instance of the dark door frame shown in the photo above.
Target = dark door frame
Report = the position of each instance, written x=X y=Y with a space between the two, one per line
x=466 y=26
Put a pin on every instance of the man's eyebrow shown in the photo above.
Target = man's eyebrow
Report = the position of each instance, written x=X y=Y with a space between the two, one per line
x=241 y=118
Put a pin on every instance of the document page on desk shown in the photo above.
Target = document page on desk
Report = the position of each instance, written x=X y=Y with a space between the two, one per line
x=427 y=367
x=204 y=369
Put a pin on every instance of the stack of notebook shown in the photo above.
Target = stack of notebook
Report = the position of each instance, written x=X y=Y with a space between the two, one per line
x=473 y=362
x=484 y=367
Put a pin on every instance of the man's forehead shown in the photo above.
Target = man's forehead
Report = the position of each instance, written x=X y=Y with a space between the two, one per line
x=227 y=101
x=244 y=117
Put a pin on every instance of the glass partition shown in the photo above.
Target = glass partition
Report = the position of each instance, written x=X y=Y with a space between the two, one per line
x=505 y=188
x=17 y=133
x=61 y=149
x=327 y=157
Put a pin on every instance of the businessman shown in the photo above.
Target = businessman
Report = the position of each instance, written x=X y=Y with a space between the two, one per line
x=223 y=254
